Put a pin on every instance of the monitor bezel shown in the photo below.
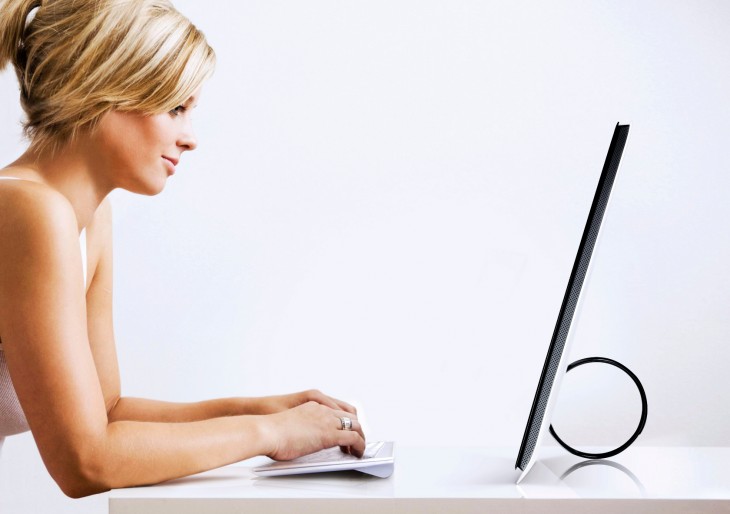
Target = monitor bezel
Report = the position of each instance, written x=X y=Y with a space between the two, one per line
x=607 y=179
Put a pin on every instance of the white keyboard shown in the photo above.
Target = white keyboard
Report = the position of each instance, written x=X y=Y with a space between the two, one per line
x=377 y=460
x=335 y=455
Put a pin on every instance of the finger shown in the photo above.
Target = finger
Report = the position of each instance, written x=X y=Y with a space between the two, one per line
x=353 y=440
x=325 y=400
x=344 y=414
x=356 y=427
x=345 y=406
x=331 y=402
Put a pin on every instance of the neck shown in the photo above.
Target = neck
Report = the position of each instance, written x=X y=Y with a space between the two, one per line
x=71 y=173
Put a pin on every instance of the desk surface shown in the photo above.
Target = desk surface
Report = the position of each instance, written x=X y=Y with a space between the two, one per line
x=642 y=479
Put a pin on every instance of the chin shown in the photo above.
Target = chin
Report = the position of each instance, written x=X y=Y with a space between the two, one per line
x=148 y=188
x=159 y=187
x=156 y=190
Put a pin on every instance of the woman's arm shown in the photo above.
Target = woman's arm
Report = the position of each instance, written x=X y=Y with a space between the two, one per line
x=142 y=409
x=54 y=370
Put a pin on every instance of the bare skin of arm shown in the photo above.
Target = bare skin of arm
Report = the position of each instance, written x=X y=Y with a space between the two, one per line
x=143 y=409
x=59 y=346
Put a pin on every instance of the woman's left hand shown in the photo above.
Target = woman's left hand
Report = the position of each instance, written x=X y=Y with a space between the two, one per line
x=274 y=404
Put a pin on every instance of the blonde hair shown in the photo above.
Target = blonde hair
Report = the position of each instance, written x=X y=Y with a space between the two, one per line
x=78 y=59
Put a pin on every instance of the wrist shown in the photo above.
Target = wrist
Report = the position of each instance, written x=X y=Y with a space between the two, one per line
x=266 y=433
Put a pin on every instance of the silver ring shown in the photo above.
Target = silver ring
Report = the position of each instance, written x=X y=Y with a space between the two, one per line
x=346 y=423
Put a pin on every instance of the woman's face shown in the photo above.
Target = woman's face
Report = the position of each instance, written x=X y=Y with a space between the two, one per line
x=140 y=152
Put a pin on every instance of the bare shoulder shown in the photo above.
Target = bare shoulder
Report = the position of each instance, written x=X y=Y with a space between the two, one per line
x=27 y=207
x=36 y=223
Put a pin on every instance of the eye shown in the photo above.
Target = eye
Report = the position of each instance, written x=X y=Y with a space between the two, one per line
x=178 y=110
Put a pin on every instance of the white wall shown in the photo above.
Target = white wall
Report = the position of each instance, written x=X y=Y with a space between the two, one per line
x=386 y=203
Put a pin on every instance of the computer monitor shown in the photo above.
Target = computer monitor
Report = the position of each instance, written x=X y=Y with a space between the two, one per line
x=555 y=362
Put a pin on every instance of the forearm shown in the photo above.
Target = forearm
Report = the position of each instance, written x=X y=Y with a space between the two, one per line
x=133 y=453
x=142 y=409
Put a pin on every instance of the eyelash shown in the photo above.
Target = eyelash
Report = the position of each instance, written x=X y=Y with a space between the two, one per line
x=178 y=110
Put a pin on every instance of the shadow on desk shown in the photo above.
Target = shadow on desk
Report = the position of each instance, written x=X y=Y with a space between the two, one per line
x=338 y=484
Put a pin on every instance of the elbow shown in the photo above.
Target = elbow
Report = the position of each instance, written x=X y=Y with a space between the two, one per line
x=81 y=477
x=81 y=488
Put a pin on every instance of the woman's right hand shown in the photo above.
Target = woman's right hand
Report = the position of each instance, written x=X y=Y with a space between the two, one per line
x=311 y=427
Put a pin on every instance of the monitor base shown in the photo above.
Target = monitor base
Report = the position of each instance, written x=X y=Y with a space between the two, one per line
x=642 y=422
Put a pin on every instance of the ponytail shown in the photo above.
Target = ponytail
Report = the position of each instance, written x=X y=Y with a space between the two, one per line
x=13 y=15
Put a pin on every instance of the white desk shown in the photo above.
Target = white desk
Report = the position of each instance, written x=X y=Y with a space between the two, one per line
x=459 y=480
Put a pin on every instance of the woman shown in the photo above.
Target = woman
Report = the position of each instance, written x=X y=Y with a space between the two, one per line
x=107 y=87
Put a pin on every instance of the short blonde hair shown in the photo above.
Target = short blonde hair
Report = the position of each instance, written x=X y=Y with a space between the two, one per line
x=78 y=59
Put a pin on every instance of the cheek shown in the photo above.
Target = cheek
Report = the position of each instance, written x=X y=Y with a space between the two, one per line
x=123 y=148
x=156 y=129
x=135 y=141
x=132 y=140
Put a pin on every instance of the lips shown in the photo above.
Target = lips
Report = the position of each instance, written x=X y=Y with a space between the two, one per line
x=170 y=164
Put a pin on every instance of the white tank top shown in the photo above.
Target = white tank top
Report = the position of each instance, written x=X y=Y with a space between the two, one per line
x=12 y=418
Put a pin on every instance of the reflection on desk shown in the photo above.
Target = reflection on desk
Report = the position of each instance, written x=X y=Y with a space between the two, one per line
x=641 y=479
x=603 y=479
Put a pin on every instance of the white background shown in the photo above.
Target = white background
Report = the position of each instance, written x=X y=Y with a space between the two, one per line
x=386 y=203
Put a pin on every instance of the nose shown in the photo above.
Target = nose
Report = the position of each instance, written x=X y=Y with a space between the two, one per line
x=187 y=140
